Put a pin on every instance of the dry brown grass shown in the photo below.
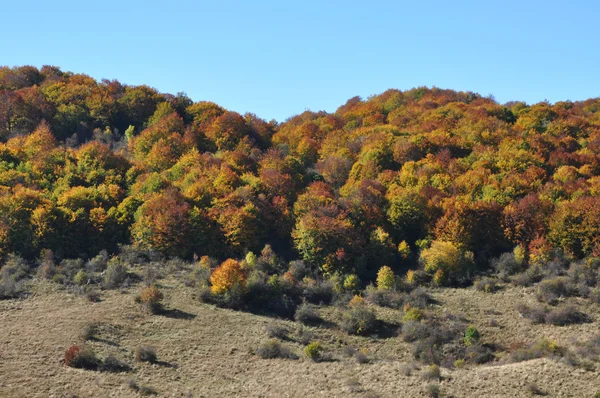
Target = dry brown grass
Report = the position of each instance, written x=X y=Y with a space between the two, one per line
x=211 y=351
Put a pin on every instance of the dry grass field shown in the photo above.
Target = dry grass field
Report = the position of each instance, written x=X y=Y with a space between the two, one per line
x=204 y=351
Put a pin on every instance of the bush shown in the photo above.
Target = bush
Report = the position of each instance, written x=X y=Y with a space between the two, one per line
x=352 y=283
x=12 y=277
x=532 y=275
x=115 y=274
x=413 y=314
x=81 y=357
x=432 y=372
x=278 y=332
x=81 y=277
x=98 y=263
x=445 y=262
x=506 y=265
x=112 y=364
x=433 y=390
x=413 y=331
x=90 y=331
x=359 y=320
x=383 y=298
x=318 y=292
x=471 y=335
x=304 y=335
x=550 y=290
x=274 y=349
x=418 y=298
x=479 y=354
x=361 y=357
x=566 y=316
x=145 y=354
x=152 y=298
x=314 y=351
x=487 y=285
x=307 y=314
x=539 y=349
x=535 y=314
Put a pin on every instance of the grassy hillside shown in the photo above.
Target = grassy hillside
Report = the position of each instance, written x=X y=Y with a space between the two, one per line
x=207 y=351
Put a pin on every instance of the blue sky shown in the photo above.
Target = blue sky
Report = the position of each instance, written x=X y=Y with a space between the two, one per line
x=278 y=58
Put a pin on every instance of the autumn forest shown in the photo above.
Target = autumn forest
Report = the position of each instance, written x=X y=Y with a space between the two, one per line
x=430 y=181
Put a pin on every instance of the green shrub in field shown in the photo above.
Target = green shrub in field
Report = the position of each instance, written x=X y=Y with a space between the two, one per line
x=314 y=351
x=413 y=314
x=471 y=335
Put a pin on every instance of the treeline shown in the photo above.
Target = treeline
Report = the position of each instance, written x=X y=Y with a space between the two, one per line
x=450 y=179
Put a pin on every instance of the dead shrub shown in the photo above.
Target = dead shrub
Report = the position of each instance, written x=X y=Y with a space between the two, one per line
x=145 y=354
x=274 y=349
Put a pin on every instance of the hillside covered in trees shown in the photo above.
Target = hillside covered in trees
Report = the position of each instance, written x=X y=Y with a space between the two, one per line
x=429 y=178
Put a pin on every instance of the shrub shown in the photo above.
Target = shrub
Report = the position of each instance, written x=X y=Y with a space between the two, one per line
x=433 y=390
x=506 y=265
x=112 y=364
x=432 y=372
x=307 y=314
x=446 y=262
x=227 y=276
x=81 y=357
x=352 y=283
x=361 y=357
x=418 y=298
x=550 y=290
x=274 y=349
x=566 y=316
x=383 y=298
x=314 y=351
x=98 y=263
x=359 y=320
x=385 y=278
x=90 y=331
x=304 y=335
x=198 y=276
x=487 y=285
x=115 y=274
x=92 y=295
x=12 y=277
x=415 y=277
x=478 y=353
x=152 y=298
x=413 y=314
x=535 y=314
x=81 y=277
x=278 y=332
x=413 y=331
x=539 y=349
x=318 y=292
x=145 y=354
x=533 y=389
x=356 y=300
x=532 y=275
x=459 y=363
x=471 y=335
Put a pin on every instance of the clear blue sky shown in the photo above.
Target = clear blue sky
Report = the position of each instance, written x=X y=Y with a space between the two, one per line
x=278 y=58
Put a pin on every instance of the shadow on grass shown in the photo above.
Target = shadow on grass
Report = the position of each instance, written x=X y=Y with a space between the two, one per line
x=177 y=314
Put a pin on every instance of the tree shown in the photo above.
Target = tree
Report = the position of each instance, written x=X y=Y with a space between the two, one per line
x=227 y=276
